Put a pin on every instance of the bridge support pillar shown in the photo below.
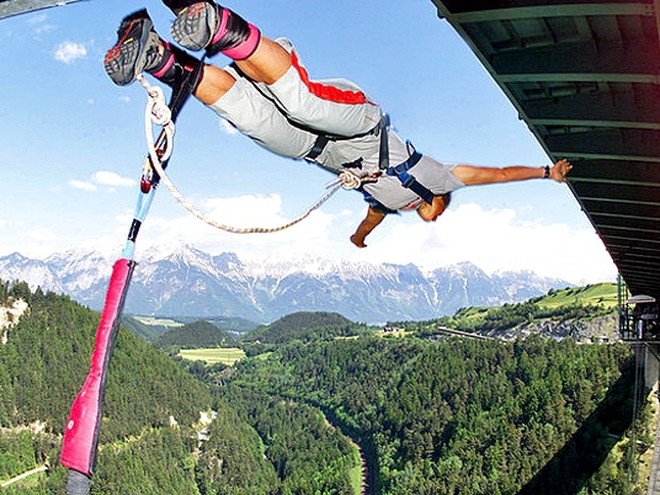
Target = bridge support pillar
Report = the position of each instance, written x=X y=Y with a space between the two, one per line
x=648 y=357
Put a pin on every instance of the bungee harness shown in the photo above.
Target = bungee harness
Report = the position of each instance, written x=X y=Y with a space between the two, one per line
x=400 y=171
x=407 y=180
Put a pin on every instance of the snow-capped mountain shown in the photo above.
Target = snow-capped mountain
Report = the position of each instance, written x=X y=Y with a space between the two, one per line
x=34 y=272
x=189 y=282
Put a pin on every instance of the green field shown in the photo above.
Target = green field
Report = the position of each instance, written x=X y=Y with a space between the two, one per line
x=598 y=294
x=226 y=356
x=602 y=295
x=165 y=322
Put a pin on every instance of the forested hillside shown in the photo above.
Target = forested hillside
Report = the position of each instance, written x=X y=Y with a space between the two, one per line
x=305 y=326
x=147 y=332
x=232 y=325
x=194 y=335
x=464 y=417
x=42 y=366
x=570 y=311
x=151 y=439
x=431 y=417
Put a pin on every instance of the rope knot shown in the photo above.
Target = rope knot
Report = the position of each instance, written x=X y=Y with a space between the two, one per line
x=349 y=180
x=161 y=114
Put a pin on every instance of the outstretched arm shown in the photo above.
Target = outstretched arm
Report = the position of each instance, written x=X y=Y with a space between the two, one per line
x=371 y=221
x=472 y=176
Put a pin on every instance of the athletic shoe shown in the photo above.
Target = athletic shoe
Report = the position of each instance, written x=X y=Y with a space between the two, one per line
x=136 y=49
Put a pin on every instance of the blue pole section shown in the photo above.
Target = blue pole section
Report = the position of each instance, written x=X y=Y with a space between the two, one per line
x=141 y=209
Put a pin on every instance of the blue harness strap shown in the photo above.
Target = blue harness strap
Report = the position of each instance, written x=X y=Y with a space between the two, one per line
x=375 y=204
x=407 y=180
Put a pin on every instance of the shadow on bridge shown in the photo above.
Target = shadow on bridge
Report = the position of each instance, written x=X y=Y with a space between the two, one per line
x=572 y=467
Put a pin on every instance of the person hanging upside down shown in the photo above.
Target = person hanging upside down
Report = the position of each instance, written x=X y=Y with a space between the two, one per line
x=266 y=93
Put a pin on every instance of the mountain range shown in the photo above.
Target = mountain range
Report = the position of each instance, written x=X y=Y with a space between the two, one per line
x=189 y=282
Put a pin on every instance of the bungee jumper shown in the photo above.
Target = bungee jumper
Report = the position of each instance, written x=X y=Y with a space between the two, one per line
x=266 y=93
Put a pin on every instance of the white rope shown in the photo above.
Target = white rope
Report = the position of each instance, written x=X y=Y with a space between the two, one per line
x=157 y=112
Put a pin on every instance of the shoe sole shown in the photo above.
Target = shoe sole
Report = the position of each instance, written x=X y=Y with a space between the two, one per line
x=124 y=61
x=195 y=26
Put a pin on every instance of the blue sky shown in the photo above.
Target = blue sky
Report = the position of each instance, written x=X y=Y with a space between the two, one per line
x=72 y=145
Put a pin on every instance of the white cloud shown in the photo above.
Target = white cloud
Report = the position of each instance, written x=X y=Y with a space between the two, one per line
x=227 y=127
x=69 y=51
x=105 y=178
x=36 y=19
x=44 y=28
x=41 y=235
x=37 y=243
x=309 y=236
x=125 y=99
x=102 y=178
x=85 y=186
x=492 y=239
x=495 y=240
x=39 y=24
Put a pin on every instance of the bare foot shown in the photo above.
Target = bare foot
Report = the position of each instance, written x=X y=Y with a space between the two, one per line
x=358 y=242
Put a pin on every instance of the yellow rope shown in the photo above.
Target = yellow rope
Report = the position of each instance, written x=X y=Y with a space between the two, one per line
x=156 y=114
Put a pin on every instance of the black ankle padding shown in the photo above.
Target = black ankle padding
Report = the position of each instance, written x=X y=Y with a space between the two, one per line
x=177 y=6
x=237 y=32
x=184 y=65
x=137 y=15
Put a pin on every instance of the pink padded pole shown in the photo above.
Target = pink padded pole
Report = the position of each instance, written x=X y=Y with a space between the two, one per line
x=82 y=428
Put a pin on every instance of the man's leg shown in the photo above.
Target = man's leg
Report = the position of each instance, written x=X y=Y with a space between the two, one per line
x=336 y=108
x=140 y=49
x=254 y=114
x=230 y=95
x=333 y=107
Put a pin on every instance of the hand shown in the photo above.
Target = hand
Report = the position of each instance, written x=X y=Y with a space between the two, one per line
x=560 y=169
x=370 y=222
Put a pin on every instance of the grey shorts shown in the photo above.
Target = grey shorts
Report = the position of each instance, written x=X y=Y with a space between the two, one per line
x=287 y=116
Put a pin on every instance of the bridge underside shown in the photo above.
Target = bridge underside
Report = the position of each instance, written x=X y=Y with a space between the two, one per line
x=15 y=7
x=585 y=77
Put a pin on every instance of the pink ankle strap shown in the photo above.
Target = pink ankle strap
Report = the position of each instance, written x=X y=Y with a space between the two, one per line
x=244 y=49
x=247 y=47
x=168 y=63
